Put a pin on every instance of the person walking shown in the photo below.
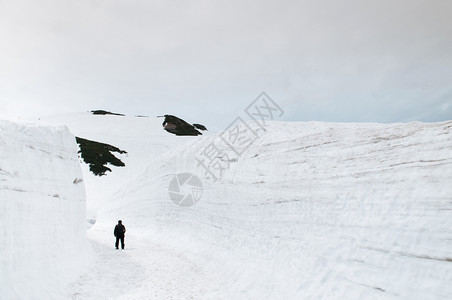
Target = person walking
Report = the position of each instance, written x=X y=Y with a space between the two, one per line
x=119 y=232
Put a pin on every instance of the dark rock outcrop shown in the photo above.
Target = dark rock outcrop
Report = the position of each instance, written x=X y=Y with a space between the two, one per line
x=178 y=126
x=199 y=126
x=98 y=155
x=104 y=112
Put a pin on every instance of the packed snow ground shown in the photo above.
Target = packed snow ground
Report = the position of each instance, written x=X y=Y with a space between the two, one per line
x=308 y=211
x=43 y=243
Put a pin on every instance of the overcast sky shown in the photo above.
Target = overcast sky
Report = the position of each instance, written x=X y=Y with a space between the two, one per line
x=205 y=61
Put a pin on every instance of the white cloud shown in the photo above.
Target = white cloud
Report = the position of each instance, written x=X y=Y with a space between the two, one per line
x=146 y=57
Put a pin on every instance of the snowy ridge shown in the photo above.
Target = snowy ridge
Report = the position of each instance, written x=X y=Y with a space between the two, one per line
x=142 y=138
x=309 y=211
x=42 y=212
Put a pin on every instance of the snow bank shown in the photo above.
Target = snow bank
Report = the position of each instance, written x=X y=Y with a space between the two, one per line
x=309 y=211
x=43 y=243
x=143 y=138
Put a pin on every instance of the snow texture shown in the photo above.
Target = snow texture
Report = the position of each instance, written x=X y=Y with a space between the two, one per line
x=307 y=211
x=43 y=243
x=310 y=211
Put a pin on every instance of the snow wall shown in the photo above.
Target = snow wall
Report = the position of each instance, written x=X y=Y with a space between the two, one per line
x=43 y=244
x=308 y=211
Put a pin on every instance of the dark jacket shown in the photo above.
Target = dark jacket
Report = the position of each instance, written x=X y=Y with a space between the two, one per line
x=119 y=230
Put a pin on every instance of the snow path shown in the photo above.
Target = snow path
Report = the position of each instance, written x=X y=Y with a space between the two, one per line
x=143 y=269
x=309 y=211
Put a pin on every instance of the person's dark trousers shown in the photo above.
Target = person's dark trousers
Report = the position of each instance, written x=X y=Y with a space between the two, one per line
x=117 y=242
